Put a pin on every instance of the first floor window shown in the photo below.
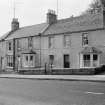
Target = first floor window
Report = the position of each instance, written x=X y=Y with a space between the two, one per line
x=9 y=46
x=84 y=39
x=51 y=42
x=10 y=61
x=30 y=42
x=67 y=41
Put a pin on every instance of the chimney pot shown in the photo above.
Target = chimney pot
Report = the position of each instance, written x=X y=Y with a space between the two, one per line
x=51 y=17
x=14 y=24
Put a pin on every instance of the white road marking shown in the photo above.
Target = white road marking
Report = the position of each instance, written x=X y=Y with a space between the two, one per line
x=95 y=93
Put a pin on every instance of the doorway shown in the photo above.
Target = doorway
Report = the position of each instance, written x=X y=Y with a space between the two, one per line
x=66 y=61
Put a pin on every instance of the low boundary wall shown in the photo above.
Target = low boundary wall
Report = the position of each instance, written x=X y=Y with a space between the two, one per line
x=59 y=71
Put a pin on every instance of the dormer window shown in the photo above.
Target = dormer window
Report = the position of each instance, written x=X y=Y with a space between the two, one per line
x=84 y=39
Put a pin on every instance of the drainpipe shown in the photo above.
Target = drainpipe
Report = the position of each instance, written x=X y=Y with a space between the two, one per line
x=14 y=54
x=40 y=49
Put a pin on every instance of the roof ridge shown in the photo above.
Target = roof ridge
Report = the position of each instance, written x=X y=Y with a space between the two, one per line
x=77 y=17
x=31 y=25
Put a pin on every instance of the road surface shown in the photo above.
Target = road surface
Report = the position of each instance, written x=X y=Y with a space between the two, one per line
x=51 y=92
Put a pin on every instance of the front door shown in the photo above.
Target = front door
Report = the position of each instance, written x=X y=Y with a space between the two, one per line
x=66 y=61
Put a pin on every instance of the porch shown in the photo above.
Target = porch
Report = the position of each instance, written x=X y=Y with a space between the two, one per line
x=90 y=57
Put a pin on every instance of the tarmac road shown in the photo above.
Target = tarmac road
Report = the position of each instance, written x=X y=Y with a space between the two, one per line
x=49 y=92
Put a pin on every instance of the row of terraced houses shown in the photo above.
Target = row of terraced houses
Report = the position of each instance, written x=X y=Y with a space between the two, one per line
x=75 y=44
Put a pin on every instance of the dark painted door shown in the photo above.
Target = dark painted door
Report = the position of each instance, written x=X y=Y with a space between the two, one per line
x=66 y=61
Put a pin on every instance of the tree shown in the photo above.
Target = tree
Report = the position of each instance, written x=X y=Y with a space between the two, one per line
x=94 y=7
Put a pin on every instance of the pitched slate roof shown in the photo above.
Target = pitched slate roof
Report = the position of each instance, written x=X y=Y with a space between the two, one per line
x=4 y=36
x=73 y=24
x=28 y=31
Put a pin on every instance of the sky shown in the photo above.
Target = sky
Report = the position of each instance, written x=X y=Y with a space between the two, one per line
x=30 y=12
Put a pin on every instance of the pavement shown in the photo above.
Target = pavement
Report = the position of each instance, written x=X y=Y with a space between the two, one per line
x=92 y=78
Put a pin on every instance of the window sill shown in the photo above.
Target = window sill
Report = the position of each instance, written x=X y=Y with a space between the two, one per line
x=9 y=67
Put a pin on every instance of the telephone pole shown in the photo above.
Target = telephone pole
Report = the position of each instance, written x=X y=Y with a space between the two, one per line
x=57 y=7
x=14 y=8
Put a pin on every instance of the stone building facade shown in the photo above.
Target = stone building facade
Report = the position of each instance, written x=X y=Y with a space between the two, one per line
x=66 y=44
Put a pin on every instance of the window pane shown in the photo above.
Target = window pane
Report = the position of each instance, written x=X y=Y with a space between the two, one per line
x=9 y=46
x=86 y=63
x=95 y=57
x=85 y=39
x=66 y=41
x=10 y=61
x=31 y=58
x=30 y=41
x=86 y=57
x=26 y=58
x=51 y=42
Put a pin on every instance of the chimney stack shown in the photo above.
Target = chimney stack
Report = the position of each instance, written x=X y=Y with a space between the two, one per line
x=51 y=17
x=14 y=24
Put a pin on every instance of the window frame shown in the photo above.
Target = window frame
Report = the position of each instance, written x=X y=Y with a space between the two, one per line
x=9 y=61
x=30 y=41
x=85 y=40
x=28 y=61
x=66 y=41
x=9 y=44
x=87 y=61
x=51 y=41
x=95 y=57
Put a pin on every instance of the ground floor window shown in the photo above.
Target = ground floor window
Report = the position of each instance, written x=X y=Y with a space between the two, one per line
x=10 y=61
x=89 y=60
x=86 y=59
x=95 y=60
x=28 y=60
x=95 y=57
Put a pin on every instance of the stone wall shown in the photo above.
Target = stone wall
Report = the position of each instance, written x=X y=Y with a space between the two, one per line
x=88 y=71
